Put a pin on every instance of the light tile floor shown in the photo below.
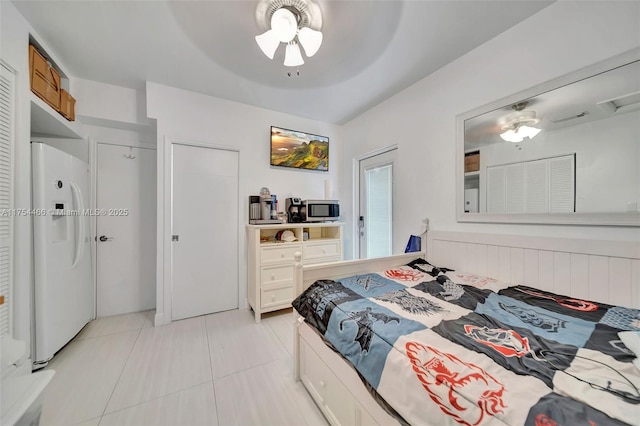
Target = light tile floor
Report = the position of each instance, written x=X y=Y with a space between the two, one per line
x=219 y=369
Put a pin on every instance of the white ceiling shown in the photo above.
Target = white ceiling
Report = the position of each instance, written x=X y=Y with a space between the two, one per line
x=371 y=50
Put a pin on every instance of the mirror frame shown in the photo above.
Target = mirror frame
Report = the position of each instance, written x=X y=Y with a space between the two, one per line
x=608 y=219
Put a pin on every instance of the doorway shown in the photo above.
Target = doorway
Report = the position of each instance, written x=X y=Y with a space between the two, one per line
x=126 y=229
x=376 y=204
x=204 y=228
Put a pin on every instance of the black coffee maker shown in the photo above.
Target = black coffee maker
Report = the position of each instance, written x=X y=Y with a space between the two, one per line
x=293 y=207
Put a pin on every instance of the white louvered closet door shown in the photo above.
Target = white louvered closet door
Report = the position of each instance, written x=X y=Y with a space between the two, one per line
x=537 y=186
x=495 y=189
x=514 y=188
x=562 y=184
x=7 y=122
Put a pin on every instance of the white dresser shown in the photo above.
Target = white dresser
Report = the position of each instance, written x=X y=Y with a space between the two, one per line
x=270 y=274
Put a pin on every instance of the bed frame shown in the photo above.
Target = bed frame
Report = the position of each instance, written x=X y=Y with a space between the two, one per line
x=605 y=271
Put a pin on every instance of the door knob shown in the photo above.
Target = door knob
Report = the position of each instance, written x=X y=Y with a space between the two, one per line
x=104 y=238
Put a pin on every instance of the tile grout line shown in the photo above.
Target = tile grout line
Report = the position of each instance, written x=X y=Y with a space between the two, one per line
x=156 y=397
x=278 y=338
x=120 y=375
x=108 y=334
x=153 y=399
x=266 y=362
x=262 y=364
x=213 y=385
x=79 y=338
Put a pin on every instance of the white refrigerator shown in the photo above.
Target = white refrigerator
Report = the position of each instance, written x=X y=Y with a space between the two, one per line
x=64 y=297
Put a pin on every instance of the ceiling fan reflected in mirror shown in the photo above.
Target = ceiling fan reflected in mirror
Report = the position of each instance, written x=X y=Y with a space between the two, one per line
x=294 y=22
x=520 y=124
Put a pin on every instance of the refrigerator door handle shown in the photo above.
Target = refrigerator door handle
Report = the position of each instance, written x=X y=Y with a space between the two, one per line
x=81 y=231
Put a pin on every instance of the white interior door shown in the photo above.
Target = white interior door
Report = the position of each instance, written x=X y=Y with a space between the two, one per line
x=126 y=229
x=205 y=231
x=376 y=205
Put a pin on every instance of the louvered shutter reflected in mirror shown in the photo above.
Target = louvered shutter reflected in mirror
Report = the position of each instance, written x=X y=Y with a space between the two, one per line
x=514 y=188
x=537 y=186
x=495 y=189
x=562 y=178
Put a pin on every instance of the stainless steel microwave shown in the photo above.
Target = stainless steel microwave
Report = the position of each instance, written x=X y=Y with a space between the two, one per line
x=320 y=210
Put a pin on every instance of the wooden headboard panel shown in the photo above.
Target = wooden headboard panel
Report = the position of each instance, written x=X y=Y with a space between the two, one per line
x=605 y=271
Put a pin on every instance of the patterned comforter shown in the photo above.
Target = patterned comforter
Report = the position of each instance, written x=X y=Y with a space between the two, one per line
x=445 y=347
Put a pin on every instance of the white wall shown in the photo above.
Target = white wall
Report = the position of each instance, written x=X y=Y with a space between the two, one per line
x=607 y=160
x=560 y=39
x=107 y=103
x=192 y=117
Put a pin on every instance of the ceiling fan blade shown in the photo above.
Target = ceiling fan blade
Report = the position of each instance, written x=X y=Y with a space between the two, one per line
x=268 y=42
x=310 y=40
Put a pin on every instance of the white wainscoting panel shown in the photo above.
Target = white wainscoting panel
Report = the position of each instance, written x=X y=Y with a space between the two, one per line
x=561 y=272
x=604 y=271
x=598 y=277
x=482 y=258
x=619 y=281
x=493 y=261
x=635 y=282
x=580 y=275
x=545 y=270
x=531 y=267
x=517 y=265
x=504 y=267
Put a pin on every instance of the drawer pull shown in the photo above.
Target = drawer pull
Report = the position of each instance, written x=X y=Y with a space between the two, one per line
x=273 y=297
x=282 y=255
x=322 y=384
x=273 y=277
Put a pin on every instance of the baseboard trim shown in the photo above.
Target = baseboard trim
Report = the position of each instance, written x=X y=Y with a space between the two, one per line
x=158 y=320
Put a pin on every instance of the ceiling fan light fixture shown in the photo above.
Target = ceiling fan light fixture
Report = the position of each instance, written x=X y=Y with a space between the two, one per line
x=528 y=131
x=284 y=24
x=520 y=124
x=518 y=134
x=292 y=56
x=310 y=40
x=511 y=136
x=268 y=43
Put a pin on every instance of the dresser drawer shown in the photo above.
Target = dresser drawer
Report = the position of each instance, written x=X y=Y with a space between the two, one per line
x=322 y=260
x=276 y=295
x=278 y=254
x=330 y=394
x=276 y=274
x=321 y=250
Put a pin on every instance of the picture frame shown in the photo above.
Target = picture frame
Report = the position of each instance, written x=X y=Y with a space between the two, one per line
x=299 y=150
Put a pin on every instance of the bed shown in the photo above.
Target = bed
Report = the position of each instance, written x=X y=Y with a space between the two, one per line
x=406 y=340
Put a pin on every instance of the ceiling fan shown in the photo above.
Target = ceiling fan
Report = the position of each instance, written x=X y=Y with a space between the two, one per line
x=294 y=22
x=520 y=124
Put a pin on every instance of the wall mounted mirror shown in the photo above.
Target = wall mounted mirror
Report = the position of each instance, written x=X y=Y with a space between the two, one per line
x=564 y=152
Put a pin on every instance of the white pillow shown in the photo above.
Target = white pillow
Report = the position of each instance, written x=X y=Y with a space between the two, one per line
x=474 y=280
x=631 y=340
